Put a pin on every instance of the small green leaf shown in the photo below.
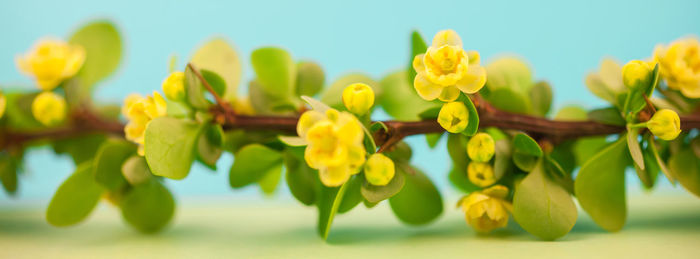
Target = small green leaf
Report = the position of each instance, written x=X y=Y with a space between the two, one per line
x=310 y=78
x=170 y=146
x=195 y=90
x=571 y=113
x=301 y=178
x=329 y=200
x=430 y=113
x=509 y=72
x=402 y=102
x=524 y=144
x=210 y=145
x=459 y=179
x=659 y=161
x=596 y=85
x=376 y=194
x=686 y=168
x=148 y=207
x=418 y=202
x=136 y=171
x=8 y=173
x=271 y=179
x=600 y=186
x=108 y=163
x=292 y=141
x=541 y=98
x=473 y=125
x=542 y=207
x=609 y=115
x=433 y=139
x=103 y=50
x=509 y=100
x=633 y=145
x=251 y=163
x=418 y=46
x=275 y=71
x=525 y=162
x=352 y=195
x=75 y=198
x=502 y=158
x=333 y=95
x=315 y=104
x=218 y=56
x=81 y=148
x=217 y=83
x=457 y=149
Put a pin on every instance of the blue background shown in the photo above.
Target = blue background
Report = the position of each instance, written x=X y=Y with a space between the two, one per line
x=562 y=40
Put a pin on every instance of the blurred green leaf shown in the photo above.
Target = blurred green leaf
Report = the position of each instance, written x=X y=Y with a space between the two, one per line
x=170 y=146
x=418 y=46
x=271 y=179
x=310 y=78
x=542 y=207
x=352 y=195
x=571 y=113
x=376 y=194
x=457 y=149
x=75 y=198
x=195 y=90
x=510 y=73
x=686 y=168
x=502 y=157
x=301 y=178
x=473 y=125
x=136 y=171
x=609 y=115
x=8 y=173
x=107 y=165
x=418 y=202
x=634 y=149
x=293 y=141
x=251 y=162
x=509 y=100
x=275 y=71
x=103 y=49
x=333 y=95
x=522 y=143
x=541 y=98
x=402 y=102
x=659 y=161
x=81 y=148
x=329 y=200
x=210 y=145
x=218 y=56
x=433 y=139
x=600 y=186
x=148 y=207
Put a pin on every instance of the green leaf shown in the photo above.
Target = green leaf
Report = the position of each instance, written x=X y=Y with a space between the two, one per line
x=108 y=163
x=402 y=102
x=542 y=207
x=686 y=168
x=148 y=207
x=271 y=179
x=457 y=149
x=511 y=73
x=418 y=46
x=81 y=148
x=210 y=145
x=430 y=113
x=585 y=148
x=218 y=56
x=433 y=139
x=571 y=113
x=459 y=179
x=315 y=104
x=292 y=141
x=352 y=195
x=275 y=71
x=473 y=125
x=329 y=200
x=633 y=145
x=75 y=198
x=502 y=156
x=659 y=161
x=609 y=115
x=418 y=202
x=103 y=50
x=216 y=82
x=195 y=90
x=301 y=178
x=509 y=100
x=8 y=173
x=600 y=186
x=251 y=163
x=333 y=95
x=376 y=194
x=524 y=144
x=136 y=171
x=524 y=162
x=310 y=78
x=541 y=98
x=170 y=146
x=596 y=85
x=264 y=103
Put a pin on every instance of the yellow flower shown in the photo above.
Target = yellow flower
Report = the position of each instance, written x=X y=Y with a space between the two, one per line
x=379 y=169
x=358 y=98
x=481 y=174
x=3 y=104
x=445 y=69
x=487 y=210
x=453 y=117
x=665 y=124
x=140 y=111
x=481 y=147
x=636 y=74
x=335 y=145
x=174 y=86
x=51 y=61
x=679 y=65
x=49 y=108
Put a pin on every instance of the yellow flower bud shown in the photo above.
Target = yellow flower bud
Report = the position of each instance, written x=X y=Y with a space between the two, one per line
x=358 y=98
x=51 y=61
x=481 y=147
x=49 y=108
x=665 y=124
x=453 y=117
x=174 y=86
x=379 y=169
x=486 y=210
x=636 y=74
x=481 y=174
x=3 y=104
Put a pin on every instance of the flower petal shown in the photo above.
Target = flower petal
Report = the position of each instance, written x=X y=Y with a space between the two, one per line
x=447 y=37
x=449 y=94
x=426 y=89
x=334 y=176
x=418 y=64
x=473 y=80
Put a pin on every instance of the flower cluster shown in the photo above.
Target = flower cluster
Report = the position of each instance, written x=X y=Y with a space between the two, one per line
x=480 y=150
x=488 y=209
x=679 y=65
x=140 y=110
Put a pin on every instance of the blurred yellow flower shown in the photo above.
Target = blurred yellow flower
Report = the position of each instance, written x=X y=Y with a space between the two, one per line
x=379 y=169
x=637 y=74
x=3 y=104
x=358 y=98
x=665 y=124
x=481 y=147
x=140 y=111
x=174 y=86
x=487 y=210
x=679 y=65
x=453 y=117
x=51 y=61
x=49 y=108
x=335 y=145
x=445 y=69
x=481 y=174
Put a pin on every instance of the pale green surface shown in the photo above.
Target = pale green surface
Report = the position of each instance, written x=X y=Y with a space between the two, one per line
x=659 y=227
